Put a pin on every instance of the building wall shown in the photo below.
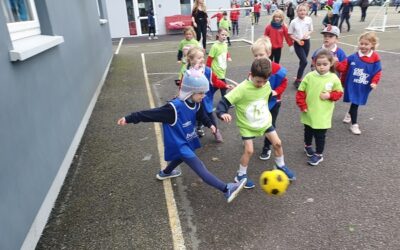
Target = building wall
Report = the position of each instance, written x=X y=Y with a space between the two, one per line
x=42 y=102
x=162 y=8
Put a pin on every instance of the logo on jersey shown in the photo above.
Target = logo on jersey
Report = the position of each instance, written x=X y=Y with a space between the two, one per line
x=257 y=114
x=187 y=124
x=362 y=76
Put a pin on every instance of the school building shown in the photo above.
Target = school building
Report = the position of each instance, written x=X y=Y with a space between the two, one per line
x=54 y=55
x=129 y=17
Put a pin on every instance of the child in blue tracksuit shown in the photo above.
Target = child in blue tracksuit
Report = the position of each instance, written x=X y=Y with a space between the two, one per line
x=151 y=24
x=178 y=118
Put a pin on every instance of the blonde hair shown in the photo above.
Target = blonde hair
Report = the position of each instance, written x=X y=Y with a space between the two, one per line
x=197 y=4
x=303 y=5
x=263 y=43
x=278 y=13
x=192 y=52
x=371 y=37
x=189 y=29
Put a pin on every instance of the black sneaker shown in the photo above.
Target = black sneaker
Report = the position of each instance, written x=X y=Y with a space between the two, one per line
x=265 y=154
x=296 y=83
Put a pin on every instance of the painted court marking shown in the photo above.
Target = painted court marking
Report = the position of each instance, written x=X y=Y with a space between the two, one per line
x=119 y=46
x=174 y=222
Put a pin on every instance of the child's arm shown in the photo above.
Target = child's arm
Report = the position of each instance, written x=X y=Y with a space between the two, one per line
x=335 y=95
x=301 y=100
x=342 y=66
x=228 y=57
x=267 y=30
x=281 y=88
x=289 y=41
x=219 y=84
x=222 y=110
x=164 y=114
x=209 y=61
x=375 y=79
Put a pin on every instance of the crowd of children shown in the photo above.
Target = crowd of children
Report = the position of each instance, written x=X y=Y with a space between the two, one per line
x=257 y=99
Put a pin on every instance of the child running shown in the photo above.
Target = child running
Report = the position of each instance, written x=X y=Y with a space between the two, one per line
x=184 y=45
x=226 y=24
x=300 y=30
x=315 y=97
x=362 y=71
x=277 y=31
x=178 y=118
x=331 y=37
x=195 y=58
x=253 y=117
x=278 y=81
x=219 y=55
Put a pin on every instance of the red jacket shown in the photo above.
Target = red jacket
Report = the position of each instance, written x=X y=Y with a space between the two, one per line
x=219 y=16
x=234 y=16
x=276 y=36
x=257 y=7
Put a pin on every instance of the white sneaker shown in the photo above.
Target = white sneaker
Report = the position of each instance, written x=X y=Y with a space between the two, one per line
x=155 y=38
x=149 y=37
x=355 y=129
x=347 y=118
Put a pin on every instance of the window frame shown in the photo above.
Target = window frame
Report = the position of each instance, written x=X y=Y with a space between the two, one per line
x=23 y=29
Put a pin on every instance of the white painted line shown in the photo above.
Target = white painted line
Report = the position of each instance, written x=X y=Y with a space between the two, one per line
x=232 y=81
x=162 y=52
x=382 y=51
x=119 y=46
x=174 y=222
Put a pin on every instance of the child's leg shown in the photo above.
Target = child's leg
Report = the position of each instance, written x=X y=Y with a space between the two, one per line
x=353 y=113
x=247 y=152
x=274 y=113
x=320 y=135
x=277 y=55
x=302 y=53
x=171 y=166
x=308 y=136
x=201 y=170
x=229 y=40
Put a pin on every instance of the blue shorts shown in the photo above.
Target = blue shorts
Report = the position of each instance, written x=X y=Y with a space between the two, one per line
x=269 y=130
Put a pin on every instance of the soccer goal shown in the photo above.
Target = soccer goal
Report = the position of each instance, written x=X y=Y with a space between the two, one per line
x=245 y=31
x=385 y=18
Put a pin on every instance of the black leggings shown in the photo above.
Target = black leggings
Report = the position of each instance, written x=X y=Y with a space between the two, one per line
x=276 y=55
x=152 y=30
x=302 y=54
x=353 y=113
x=200 y=169
x=235 y=27
x=201 y=31
x=363 y=13
x=345 y=16
x=318 y=134
x=274 y=113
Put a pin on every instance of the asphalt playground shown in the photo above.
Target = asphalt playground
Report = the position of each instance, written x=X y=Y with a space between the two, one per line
x=112 y=200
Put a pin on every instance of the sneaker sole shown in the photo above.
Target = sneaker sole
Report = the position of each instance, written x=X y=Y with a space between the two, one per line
x=264 y=158
x=315 y=163
x=236 y=192
x=167 y=177
x=246 y=187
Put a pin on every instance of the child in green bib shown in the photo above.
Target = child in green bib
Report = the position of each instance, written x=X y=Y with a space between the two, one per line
x=316 y=98
x=253 y=117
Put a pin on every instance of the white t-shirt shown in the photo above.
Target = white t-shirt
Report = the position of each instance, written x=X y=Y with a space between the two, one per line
x=299 y=27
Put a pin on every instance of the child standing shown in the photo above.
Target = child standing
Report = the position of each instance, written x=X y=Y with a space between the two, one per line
x=300 y=30
x=278 y=81
x=234 y=16
x=290 y=12
x=151 y=24
x=226 y=24
x=219 y=56
x=331 y=36
x=362 y=71
x=195 y=57
x=315 y=97
x=314 y=7
x=253 y=117
x=277 y=31
x=184 y=45
x=178 y=118
x=257 y=11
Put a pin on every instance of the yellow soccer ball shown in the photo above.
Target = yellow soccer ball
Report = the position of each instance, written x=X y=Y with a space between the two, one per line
x=274 y=182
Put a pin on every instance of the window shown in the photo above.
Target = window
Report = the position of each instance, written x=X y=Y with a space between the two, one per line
x=186 y=7
x=21 y=17
x=100 y=11
x=24 y=28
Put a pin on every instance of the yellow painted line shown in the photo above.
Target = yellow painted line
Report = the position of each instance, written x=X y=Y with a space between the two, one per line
x=174 y=222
